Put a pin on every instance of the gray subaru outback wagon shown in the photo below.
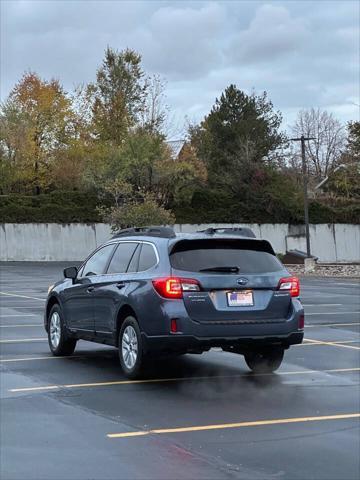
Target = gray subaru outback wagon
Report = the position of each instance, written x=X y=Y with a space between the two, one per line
x=150 y=291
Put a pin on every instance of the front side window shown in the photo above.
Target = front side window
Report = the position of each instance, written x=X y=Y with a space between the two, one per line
x=96 y=264
x=122 y=256
x=134 y=262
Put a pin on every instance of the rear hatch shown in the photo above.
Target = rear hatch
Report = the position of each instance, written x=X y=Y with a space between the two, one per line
x=238 y=280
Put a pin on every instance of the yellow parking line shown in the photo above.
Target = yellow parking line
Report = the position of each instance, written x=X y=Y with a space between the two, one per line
x=223 y=426
x=333 y=344
x=176 y=379
x=22 y=296
x=34 y=389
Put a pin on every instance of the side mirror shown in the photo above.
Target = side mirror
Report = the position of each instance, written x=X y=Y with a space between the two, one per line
x=70 y=272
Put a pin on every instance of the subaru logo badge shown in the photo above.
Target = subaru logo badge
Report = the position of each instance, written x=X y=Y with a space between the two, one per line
x=242 y=281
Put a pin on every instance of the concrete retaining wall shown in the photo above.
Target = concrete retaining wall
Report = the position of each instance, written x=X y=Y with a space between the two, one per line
x=51 y=241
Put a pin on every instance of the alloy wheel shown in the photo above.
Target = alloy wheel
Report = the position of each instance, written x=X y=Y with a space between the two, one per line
x=129 y=347
x=55 y=329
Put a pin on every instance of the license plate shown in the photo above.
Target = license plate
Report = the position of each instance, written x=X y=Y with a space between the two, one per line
x=240 y=299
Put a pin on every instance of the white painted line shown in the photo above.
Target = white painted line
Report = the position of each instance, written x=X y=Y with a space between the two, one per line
x=308 y=343
x=17 y=315
x=329 y=313
x=22 y=296
x=335 y=342
x=322 y=304
x=309 y=295
x=29 y=359
x=332 y=325
x=16 y=307
x=24 y=340
x=331 y=284
x=332 y=344
x=22 y=325
x=332 y=341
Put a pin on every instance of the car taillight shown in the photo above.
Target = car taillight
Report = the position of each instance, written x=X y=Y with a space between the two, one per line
x=290 y=284
x=302 y=322
x=173 y=287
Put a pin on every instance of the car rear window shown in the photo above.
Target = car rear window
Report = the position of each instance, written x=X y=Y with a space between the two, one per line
x=249 y=256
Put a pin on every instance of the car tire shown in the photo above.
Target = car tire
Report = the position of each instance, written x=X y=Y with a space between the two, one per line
x=130 y=348
x=59 y=341
x=265 y=361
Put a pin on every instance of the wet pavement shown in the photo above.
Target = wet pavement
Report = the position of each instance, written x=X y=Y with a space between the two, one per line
x=196 y=416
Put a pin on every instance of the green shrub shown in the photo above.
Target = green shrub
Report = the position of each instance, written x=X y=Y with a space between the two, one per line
x=56 y=207
x=207 y=206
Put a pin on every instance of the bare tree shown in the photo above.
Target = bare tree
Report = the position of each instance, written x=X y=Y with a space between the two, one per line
x=155 y=110
x=323 y=153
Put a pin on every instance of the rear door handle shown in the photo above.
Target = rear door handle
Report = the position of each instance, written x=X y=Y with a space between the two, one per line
x=120 y=284
x=90 y=289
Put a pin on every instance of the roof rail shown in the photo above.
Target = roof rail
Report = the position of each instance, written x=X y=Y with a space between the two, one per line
x=151 y=231
x=241 y=231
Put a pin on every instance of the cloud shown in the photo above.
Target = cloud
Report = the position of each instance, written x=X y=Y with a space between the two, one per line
x=183 y=41
x=272 y=33
x=302 y=54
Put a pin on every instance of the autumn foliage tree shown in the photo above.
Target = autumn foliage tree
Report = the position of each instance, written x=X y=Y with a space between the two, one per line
x=128 y=115
x=36 y=124
x=105 y=145
x=119 y=94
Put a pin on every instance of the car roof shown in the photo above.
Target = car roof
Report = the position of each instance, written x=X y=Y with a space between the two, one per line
x=207 y=236
x=167 y=236
x=169 y=233
x=177 y=237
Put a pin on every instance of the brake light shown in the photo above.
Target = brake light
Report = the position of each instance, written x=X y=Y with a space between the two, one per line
x=290 y=284
x=173 y=287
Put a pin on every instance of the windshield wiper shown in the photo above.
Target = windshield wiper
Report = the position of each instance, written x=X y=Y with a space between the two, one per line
x=221 y=269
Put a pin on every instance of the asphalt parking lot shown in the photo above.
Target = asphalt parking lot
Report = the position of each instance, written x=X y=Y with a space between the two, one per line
x=200 y=416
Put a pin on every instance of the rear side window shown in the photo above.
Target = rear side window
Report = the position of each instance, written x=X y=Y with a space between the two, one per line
x=147 y=257
x=97 y=263
x=249 y=256
x=121 y=258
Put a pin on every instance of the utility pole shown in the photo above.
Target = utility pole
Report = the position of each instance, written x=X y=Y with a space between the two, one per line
x=302 y=139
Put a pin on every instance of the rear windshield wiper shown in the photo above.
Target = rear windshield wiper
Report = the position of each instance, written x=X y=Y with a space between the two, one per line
x=221 y=269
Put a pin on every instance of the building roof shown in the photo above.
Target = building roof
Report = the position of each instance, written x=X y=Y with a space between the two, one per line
x=175 y=147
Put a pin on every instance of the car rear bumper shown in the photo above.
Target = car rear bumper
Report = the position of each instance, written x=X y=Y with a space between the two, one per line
x=240 y=335
x=187 y=343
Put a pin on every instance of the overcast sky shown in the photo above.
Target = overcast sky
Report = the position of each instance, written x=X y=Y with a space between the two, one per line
x=303 y=53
